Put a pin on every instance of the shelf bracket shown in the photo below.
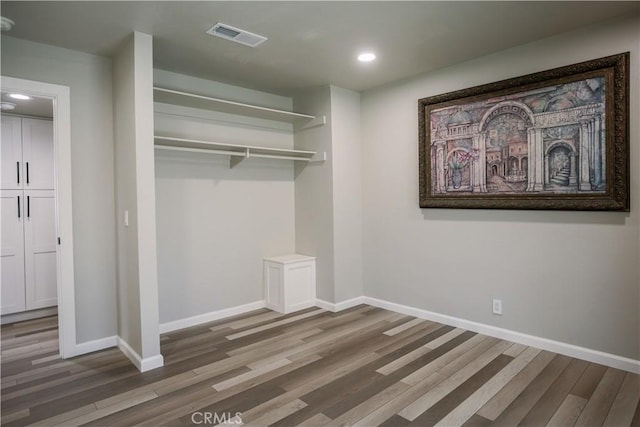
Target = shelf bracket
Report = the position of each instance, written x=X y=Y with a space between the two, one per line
x=236 y=160
x=319 y=157
x=318 y=121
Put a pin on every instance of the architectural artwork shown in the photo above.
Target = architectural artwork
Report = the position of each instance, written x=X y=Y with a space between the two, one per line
x=547 y=140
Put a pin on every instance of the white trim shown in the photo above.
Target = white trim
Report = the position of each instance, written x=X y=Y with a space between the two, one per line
x=210 y=317
x=131 y=354
x=297 y=307
x=28 y=315
x=61 y=96
x=150 y=363
x=339 y=306
x=587 y=354
x=143 y=365
x=325 y=305
x=96 y=345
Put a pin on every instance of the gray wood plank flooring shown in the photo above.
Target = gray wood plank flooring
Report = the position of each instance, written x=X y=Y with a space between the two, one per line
x=361 y=367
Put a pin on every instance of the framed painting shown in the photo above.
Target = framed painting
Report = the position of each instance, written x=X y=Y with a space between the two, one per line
x=557 y=139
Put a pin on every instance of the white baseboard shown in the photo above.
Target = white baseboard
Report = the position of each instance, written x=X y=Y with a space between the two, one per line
x=210 y=317
x=143 y=365
x=590 y=355
x=326 y=305
x=587 y=354
x=95 y=345
x=301 y=306
x=150 y=363
x=339 y=306
x=28 y=315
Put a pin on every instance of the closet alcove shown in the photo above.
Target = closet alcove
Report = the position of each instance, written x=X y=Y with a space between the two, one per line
x=225 y=192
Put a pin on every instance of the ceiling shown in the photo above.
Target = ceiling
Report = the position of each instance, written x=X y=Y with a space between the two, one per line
x=310 y=43
x=38 y=107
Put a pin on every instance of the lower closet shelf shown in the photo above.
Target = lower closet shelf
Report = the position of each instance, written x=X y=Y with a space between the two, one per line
x=235 y=150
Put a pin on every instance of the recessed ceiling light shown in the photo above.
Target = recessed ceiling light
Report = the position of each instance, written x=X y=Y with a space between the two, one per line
x=366 y=57
x=19 y=96
x=6 y=24
x=4 y=105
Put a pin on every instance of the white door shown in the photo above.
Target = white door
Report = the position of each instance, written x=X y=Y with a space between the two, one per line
x=11 y=153
x=12 y=251
x=37 y=154
x=40 y=249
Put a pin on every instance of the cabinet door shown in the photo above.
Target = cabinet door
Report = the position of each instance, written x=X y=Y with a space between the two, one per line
x=40 y=249
x=11 y=153
x=12 y=251
x=37 y=154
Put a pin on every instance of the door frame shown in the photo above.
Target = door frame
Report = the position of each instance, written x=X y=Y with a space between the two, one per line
x=61 y=97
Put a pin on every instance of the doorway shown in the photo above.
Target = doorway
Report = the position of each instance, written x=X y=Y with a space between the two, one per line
x=59 y=98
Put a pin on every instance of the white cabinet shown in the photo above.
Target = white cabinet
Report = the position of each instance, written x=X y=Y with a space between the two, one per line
x=12 y=251
x=290 y=282
x=11 y=152
x=40 y=249
x=28 y=239
x=27 y=154
x=37 y=154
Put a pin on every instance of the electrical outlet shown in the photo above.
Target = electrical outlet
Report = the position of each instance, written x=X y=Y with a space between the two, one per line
x=497 y=307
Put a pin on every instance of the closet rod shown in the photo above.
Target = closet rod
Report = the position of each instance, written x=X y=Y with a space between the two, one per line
x=224 y=144
x=201 y=150
x=273 y=156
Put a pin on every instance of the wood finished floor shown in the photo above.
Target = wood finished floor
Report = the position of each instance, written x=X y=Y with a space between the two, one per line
x=361 y=367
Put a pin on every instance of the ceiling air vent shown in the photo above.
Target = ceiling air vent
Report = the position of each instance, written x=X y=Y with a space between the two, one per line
x=236 y=35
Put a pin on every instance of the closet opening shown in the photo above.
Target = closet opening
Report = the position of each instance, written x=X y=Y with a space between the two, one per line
x=36 y=251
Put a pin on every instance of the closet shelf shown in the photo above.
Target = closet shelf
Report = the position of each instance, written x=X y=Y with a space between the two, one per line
x=235 y=150
x=176 y=97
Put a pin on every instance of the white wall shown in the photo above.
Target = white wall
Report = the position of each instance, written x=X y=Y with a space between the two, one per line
x=346 y=143
x=566 y=276
x=329 y=194
x=215 y=224
x=89 y=78
x=146 y=200
x=314 y=191
x=129 y=328
x=134 y=168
